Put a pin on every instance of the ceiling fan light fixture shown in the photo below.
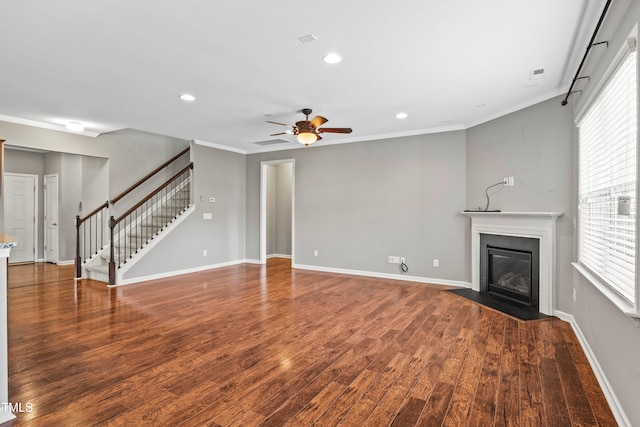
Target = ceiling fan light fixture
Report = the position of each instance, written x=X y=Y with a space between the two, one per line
x=307 y=138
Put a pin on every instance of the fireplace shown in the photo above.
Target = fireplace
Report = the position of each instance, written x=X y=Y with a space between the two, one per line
x=510 y=268
x=539 y=226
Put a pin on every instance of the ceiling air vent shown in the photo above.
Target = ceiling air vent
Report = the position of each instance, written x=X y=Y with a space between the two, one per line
x=308 y=38
x=271 y=141
x=536 y=74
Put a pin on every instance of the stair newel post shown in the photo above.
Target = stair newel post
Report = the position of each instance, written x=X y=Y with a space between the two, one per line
x=78 y=258
x=112 y=262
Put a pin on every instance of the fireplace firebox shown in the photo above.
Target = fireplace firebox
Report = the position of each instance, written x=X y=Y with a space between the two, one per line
x=510 y=268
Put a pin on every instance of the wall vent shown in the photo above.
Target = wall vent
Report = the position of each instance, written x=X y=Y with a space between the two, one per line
x=536 y=73
x=272 y=141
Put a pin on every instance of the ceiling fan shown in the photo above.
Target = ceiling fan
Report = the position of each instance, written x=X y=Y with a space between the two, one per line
x=308 y=132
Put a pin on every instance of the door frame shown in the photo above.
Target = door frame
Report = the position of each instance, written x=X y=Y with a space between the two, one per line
x=35 y=208
x=45 y=207
x=263 y=207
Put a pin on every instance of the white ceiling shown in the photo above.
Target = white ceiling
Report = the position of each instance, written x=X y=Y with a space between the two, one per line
x=115 y=64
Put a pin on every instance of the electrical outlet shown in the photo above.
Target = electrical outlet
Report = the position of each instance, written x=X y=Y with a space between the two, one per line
x=394 y=260
x=204 y=252
x=436 y=262
x=315 y=252
x=512 y=181
x=402 y=261
x=505 y=180
x=575 y=297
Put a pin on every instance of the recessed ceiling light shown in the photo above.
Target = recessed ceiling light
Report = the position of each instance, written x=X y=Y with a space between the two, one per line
x=74 y=126
x=187 y=97
x=402 y=115
x=332 y=58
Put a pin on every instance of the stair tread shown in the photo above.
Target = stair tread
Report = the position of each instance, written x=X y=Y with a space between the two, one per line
x=101 y=268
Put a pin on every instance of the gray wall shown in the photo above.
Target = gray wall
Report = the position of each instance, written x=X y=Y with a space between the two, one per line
x=131 y=153
x=271 y=203
x=95 y=182
x=219 y=174
x=284 y=181
x=535 y=146
x=615 y=341
x=359 y=203
x=81 y=165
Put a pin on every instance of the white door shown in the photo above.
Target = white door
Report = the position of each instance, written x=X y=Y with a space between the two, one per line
x=20 y=214
x=51 y=218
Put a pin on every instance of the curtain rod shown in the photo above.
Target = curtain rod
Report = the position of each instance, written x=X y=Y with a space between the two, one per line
x=584 y=58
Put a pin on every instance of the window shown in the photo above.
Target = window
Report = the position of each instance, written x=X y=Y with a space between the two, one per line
x=607 y=182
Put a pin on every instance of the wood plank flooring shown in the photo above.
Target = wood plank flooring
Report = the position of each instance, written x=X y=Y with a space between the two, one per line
x=252 y=345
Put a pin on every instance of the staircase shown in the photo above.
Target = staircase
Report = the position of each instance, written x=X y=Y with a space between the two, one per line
x=131 y=243
x=104 y=246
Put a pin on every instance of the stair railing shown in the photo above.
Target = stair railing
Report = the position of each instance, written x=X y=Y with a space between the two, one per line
x=149 y=175
x=132 y=230
x=92 y=231
x=91 y=234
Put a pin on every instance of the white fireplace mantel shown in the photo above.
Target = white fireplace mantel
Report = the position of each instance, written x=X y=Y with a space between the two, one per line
x=536 y=225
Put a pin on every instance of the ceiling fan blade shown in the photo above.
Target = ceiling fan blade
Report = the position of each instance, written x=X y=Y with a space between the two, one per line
x=281 y=133
x=276 y=123
x=335 y=130
x=318 y=121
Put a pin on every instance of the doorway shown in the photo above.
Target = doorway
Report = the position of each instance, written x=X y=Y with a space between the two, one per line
x=277 y=212
x=51 y=218
x=20 y=207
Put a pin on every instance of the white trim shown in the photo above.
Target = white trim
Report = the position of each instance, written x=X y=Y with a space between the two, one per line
x=623 y=305
x=43 y=125
x=624 y=50
x=67 y=262
x=254 y=261
x=536 y=225
x=176 y=273
x=609 y=394
x=44 y=219
x=219 y=146
x=515 y=108
x=6 y=416
x=263 y=206
x=376 y=274
x=279 y=256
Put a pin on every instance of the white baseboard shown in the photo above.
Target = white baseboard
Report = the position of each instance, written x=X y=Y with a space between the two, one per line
x=612 y=399
x=68 y=262
x=253 y=261
x=177 y=272
x=6 y=416
x=278 y=256
x=404 y=277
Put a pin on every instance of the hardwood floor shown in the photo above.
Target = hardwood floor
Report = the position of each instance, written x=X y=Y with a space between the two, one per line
x=251 y=345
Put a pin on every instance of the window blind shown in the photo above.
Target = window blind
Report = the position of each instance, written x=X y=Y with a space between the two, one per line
x=607 y=182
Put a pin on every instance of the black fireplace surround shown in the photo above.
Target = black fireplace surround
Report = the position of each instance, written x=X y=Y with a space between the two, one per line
x=510 y=268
